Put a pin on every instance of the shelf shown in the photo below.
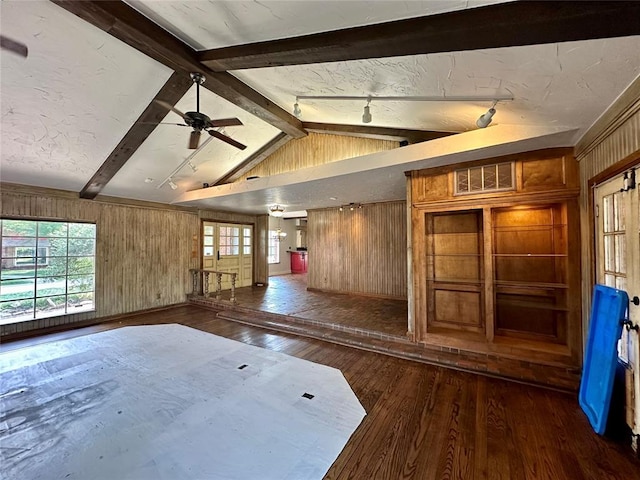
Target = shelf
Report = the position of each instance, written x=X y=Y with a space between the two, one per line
x=521 y=228
x=532 y=255
x=530 y=285
x=534 y=305
x=474 y=255
x=456 y=281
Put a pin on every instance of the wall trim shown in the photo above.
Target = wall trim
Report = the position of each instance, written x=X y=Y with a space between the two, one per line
x=623 y=108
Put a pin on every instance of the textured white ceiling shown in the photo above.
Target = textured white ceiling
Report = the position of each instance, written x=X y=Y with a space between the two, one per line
x=567 y=84
x=205 y=24
x=67 y=105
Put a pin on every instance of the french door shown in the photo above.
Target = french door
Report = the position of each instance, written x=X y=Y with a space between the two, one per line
x=618 y=265
x=228 y=248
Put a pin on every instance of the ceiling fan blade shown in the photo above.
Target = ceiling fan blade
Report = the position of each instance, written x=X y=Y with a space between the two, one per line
x=226 y=139
x=225 y=122
x=13 y=46
x=194 y=139
x=162 y=123
x=168 y=106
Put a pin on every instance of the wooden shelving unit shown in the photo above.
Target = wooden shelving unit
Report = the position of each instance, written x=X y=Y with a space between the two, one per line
x=500 y=267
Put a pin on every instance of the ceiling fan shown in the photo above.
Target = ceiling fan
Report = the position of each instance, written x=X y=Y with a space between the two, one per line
x=13 y=46
x=199 y=121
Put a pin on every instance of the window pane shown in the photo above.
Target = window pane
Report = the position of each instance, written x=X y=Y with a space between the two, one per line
x=56 y=266
x=208 y=230
x=15 y=274
x=607 y=212
x=80 y=283
x=208 y=251
x=52 y=229
x=23 y=228
x=16 y=310
x=80 y=230
x=621 y=254
x=80 y=302
x=208 y=240
x=475 y=175
x=57 y=246
x=81 y=246
x=49 y=306
x=10 y=244
x=17 y=289
x=505 y=177
x=81 y=265
x=609 y=253
x=50 y=286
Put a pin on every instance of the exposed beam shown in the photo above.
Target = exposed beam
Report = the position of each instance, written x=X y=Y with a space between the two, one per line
x=130 y=26
x=493 y=26
x=266 y=150
x=172 y=91
x=383 y=133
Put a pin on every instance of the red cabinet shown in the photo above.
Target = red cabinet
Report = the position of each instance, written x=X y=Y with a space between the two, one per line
x=299 y=262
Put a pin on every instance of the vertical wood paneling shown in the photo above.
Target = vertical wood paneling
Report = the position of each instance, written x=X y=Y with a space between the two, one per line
x=619 y=144
x=143 y=254
x=361 y=251
x=317 y=149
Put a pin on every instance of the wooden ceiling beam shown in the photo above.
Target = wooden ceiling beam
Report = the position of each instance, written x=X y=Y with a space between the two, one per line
x=172 y=91
x=494 y=26
x=274 y=144
x=130 y=26
x=381 y=133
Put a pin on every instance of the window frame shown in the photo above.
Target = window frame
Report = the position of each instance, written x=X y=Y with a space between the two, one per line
x=63 y=283
x=273 y=245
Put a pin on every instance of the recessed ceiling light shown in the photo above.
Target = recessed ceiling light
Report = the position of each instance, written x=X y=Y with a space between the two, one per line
x=148 y=180
x=333 y=198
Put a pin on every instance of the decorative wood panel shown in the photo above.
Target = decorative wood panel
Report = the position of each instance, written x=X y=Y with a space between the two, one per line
x=317 y=149
x=143 y=251
x=361 y=251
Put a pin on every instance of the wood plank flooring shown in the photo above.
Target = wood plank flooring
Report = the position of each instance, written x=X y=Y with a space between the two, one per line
x=425 y=422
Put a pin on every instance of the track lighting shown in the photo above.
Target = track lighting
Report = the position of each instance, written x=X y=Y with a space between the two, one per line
x=366 y=115
x=193 y=167
x=172 y=185
x=296 y=109
x=485 y=119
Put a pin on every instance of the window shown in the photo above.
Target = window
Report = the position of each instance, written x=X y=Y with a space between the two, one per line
x=246 y=244
x=481 y=179
x=229 y=241
x=273 y=253
x=48 y=269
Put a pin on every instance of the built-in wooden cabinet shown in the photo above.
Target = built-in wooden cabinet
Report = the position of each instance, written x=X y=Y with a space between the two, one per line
x=496 y=252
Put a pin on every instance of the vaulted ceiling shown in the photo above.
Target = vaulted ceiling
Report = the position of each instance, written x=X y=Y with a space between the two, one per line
x=78 y=113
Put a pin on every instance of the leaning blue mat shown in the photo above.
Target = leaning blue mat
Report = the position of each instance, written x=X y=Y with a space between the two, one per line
x=608 y=310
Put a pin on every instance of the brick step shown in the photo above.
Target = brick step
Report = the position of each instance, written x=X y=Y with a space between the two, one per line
x=554 y=376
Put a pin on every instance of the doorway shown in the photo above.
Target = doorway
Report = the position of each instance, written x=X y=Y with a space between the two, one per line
x=618 y=265
x=228 y=247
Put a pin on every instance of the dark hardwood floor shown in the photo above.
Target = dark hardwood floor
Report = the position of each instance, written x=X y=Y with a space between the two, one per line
x=426 y=422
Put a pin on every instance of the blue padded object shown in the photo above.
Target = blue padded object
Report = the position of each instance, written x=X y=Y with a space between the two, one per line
x=601 y=356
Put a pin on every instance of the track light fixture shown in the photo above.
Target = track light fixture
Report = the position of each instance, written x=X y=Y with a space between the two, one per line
x=485 y=119
x=366 y=115
x=193 y=167
x=296 y=109
x=351 y=207
x=172 y=185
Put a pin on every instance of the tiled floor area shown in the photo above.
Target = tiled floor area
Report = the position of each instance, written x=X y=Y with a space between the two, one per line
x=288 y=295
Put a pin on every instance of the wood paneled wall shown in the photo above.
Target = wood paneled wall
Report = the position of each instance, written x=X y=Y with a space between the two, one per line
x=617 y=138
x=362 y=251
x=317 y=149
x=143 y=251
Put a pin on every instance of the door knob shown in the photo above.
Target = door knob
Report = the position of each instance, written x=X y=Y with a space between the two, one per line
x=635 y=300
